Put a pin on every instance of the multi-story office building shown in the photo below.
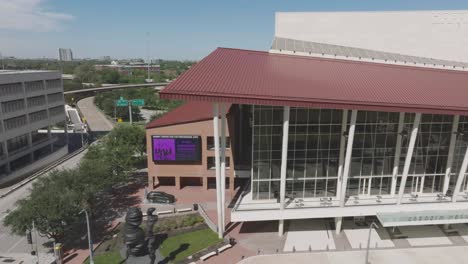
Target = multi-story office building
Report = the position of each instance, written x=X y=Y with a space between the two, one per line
x=65 y=54
x=32 y=104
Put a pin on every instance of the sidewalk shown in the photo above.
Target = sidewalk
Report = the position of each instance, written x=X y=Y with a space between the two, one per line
x=23 y=258
x=429 y=255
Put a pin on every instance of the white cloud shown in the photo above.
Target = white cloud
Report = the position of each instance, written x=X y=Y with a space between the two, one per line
x=30 y=15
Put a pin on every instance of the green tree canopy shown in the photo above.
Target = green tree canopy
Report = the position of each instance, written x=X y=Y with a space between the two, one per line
x=85 y=73
x=109 y=76
x=53 y=206
x=56 y=200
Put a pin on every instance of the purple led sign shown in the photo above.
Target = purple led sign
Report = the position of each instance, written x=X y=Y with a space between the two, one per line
x=164 y=149
x=176 y=148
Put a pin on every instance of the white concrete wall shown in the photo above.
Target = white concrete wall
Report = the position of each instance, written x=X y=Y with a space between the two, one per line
x=433 y=34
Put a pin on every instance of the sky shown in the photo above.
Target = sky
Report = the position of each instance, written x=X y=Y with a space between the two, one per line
x=174 y=29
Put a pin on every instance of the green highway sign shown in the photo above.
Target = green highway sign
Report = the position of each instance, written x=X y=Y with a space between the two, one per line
x=134 y=102
x=138 y=102
x=122 y=102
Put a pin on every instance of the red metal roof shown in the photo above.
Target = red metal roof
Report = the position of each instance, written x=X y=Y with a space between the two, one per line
x=187 y=113
x=255 y=77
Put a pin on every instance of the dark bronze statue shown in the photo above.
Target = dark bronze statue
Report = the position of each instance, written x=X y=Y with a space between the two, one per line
x=135 y=240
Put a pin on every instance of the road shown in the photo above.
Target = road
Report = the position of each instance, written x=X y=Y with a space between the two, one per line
x=97 y=121
x=12 y=244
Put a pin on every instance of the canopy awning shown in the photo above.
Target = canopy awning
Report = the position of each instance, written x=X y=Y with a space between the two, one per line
x=432 y=217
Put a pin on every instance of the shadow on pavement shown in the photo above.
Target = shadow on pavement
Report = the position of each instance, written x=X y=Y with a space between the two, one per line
x=174 y=253
x=259 y=227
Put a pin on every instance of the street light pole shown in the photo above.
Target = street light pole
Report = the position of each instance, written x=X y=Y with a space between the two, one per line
x=90 y=241
x=37 y=250
x=373 y=224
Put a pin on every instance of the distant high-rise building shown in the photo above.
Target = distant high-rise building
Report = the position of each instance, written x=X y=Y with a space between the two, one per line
x=65 y=54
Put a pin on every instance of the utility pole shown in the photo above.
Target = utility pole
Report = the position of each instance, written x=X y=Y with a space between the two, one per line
x=148 y=54
x=130 y=110
x=90 y=241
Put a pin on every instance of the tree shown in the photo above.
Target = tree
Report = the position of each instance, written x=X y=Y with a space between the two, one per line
x=115 y=156
x=53 y=206
x=56 y=200
x=109 y=76
x=85 y=73
x=129 y=136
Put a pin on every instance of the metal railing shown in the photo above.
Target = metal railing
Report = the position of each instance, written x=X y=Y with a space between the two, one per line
x=207 y=219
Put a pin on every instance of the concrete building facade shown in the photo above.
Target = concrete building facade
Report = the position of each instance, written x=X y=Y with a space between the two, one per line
x=437 y=34
x=32 y=103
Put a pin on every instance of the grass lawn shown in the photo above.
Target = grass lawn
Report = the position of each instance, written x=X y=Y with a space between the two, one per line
x=112 y=257
x=184 y=245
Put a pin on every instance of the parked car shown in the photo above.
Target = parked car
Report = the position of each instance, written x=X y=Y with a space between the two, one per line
x=160 y=197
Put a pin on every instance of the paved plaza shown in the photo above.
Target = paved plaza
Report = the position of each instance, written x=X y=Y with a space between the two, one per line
x=426 y=255
x=309 y=233
x=358 y=236
x=425 y=236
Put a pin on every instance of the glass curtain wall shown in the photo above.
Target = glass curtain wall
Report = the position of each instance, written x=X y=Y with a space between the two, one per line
x=314 y=146
x=459 y=154
x=373 y=154
x=427 y=169
x=313 y=152
x=267 y=133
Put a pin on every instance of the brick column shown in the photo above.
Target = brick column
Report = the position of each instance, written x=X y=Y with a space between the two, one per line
x=177 y=182
x=205 y=183
x=231 y=183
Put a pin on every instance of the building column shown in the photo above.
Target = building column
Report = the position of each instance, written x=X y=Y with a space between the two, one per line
x=280 y=227
x=231 y=183
x=347 y=163
x=461 y=176
x=153 y=182
x=396 y=162
x=338 y=224
x=7 y=155
x=409 y=156
x=30 y=144
x=67 y=140
x=453 y=140
x=205 y=183
x=217 y=168
x=344 y=124
x=223 y=163
x=284 y=159
x=177 y=182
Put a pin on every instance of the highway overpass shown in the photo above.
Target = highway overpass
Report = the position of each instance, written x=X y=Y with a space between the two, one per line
x=157 y=86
